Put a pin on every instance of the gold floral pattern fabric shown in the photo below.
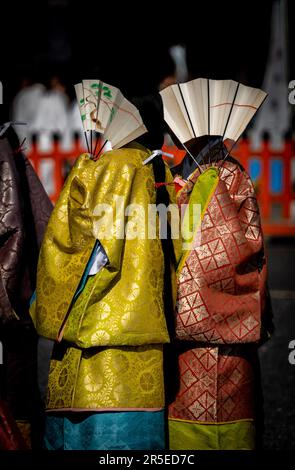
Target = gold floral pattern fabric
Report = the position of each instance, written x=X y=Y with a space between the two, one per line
x=110 y=355
x=73 y=229
x=129 y=309
x=107 y=378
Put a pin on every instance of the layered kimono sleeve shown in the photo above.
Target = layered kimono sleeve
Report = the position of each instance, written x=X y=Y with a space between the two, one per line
x=221 y=286
x=122 y=305
x=83 y=215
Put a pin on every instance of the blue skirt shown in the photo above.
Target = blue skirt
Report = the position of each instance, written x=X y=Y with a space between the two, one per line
x=131 y=430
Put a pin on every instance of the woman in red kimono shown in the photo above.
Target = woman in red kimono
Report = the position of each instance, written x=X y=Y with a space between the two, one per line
x=221 y=309
x=221 y=298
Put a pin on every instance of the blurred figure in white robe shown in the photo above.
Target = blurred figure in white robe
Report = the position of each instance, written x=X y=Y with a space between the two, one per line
x=25 y=106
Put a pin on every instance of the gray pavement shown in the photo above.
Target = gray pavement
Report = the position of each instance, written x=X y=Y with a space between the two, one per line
x=278 y=375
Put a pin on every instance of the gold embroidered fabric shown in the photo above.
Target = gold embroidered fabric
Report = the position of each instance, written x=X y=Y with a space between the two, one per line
x=127 y=309
x=107 y=378
x=73 y=229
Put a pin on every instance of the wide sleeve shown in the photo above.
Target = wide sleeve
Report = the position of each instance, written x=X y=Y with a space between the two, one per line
x=84 y=213
x=221 y=290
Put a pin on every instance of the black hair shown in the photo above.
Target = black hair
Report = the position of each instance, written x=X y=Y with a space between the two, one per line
x=162 y=197
x=150 y=108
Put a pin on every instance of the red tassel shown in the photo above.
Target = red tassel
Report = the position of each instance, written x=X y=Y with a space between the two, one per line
x=157 y=185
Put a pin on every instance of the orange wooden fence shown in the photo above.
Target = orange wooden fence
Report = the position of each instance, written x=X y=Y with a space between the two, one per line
x=274 y=180
x=272 y=171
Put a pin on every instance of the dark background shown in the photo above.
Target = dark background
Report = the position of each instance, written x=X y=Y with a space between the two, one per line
x=128 y=45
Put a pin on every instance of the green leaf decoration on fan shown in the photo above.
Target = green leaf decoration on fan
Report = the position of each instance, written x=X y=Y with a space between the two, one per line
x=104 y=109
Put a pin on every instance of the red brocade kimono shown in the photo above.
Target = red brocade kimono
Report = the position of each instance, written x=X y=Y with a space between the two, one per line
x=221 y=300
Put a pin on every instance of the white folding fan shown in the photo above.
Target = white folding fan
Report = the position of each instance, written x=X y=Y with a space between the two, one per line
x=105 y=110
x=210 y=107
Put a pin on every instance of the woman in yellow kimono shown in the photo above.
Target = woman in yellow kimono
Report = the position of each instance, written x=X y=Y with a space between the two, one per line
x=106 y=385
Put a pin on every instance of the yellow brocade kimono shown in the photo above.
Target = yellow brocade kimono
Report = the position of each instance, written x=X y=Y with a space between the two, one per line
x=109 y=337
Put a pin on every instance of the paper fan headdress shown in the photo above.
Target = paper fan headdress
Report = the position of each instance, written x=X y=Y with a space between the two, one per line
x=105 y=110
x=210 y=107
